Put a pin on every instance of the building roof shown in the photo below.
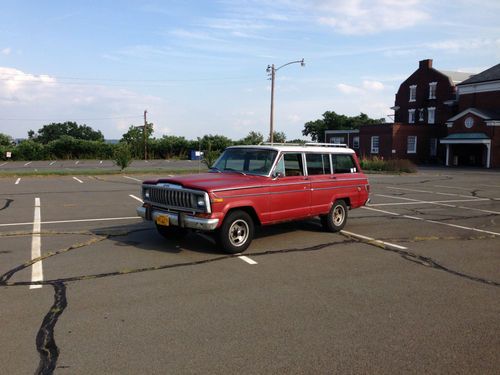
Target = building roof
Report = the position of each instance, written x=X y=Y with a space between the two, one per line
x=485 y=114
x=456 y=77
x=463 y=136
x=491 y=74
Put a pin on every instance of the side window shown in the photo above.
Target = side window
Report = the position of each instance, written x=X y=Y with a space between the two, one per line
x=293 y=164
x=343 y=164
x=318 y=164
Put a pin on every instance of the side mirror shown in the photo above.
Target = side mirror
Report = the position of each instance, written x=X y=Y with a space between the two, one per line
x=278 y=175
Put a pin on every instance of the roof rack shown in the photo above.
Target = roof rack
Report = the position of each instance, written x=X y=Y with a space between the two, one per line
x=307 y=144
x=326 y=144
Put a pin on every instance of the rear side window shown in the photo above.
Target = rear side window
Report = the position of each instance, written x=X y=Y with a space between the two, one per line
x=343 y=164
x=318 y=164
x=293 y=164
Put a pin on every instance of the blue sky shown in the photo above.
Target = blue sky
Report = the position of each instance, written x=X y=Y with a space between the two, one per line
x=199 y=67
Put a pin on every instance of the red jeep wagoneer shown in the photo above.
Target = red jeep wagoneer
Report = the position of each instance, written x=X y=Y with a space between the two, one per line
x=258 y=185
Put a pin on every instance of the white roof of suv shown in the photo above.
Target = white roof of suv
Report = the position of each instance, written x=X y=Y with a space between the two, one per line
x=308 y=147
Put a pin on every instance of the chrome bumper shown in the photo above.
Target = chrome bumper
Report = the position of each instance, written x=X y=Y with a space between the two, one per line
x=180 y=219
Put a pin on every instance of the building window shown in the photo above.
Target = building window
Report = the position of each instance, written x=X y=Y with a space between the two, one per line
x=431 y=115
x=412 y=144
x=434 y=145
x=411 y=116
x=432 y=90
x=337 y=140
x=413 y=93
x=421 y=115
x=374 y=144
x=355 y=142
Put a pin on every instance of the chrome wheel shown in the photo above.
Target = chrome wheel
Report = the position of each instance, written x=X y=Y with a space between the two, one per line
x=238 y=233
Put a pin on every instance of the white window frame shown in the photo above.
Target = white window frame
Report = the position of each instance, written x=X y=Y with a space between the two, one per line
x=432 y=90
x=337 y=140
x=374 y=144
x=355 y=141
x=413 y=93
x=411 y=116
x=411 y=144
x=431 y=115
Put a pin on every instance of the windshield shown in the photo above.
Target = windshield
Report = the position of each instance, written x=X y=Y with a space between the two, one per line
x=246 y=160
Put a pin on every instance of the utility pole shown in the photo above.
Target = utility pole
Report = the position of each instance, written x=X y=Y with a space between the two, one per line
x=144 y=136
x=271 y=119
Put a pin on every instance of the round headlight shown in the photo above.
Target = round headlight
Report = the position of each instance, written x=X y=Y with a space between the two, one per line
x=200 y=201
x=146 y=193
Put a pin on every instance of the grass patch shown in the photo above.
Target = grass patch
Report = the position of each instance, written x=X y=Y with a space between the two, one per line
x=377 y=164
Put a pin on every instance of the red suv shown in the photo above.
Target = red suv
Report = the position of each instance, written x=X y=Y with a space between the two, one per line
x=250 y=186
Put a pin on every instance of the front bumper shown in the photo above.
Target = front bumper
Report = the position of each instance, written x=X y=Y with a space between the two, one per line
x=179 y=219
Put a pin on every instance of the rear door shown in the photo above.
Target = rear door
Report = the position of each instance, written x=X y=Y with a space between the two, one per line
x=349 y=181
x=323 y=184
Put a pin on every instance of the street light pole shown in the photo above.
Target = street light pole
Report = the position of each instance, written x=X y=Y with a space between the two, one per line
x=272 y=72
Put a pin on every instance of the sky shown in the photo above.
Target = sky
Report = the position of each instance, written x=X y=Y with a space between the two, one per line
x=199 y=67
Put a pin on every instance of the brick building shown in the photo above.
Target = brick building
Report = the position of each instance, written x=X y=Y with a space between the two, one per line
x=474 y=131
x=423 y=104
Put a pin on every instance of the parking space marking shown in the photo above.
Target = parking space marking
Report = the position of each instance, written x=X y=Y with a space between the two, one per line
x=431 y=192
x=433 y=221
x=73 y=221
x=17 y=181
x=52 y=163
x=100 y=162
x=36 y=268
x=77 y=179
x=1 y=165
x=451 y=187
x=373 y=240
x=495 y=186
x=136 y=198
x=132 y=178
x=247 y=259
x=28 y=163
x=77 y=162
x=441 y=203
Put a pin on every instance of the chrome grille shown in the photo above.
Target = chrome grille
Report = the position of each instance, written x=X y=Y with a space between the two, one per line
x=174 y=198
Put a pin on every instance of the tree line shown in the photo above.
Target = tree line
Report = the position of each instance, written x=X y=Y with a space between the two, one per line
x=70 y=140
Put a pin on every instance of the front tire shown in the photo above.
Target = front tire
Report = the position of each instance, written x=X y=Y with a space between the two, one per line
x=336 y=218
x=236 y=232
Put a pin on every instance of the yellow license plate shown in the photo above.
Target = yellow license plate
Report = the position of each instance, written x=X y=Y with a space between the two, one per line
x=162 y=220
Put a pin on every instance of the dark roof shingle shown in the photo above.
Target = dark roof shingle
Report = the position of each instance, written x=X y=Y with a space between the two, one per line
x=491 y=74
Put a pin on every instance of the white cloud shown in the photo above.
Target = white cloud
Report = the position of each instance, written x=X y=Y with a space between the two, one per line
x=6 y=51
x=373 y=85
x=348 y=89
x=359 y=17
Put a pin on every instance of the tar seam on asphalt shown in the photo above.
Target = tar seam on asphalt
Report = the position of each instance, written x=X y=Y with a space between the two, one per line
x=45 y=340
x=7 y=203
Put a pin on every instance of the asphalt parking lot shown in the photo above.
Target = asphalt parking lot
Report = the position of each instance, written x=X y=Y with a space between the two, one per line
x=412 y=285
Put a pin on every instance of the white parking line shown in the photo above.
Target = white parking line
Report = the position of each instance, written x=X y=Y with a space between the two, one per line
x=52 y=163
x=495 y=186
x=1 y=165
x=73 y=221
x=28 y=163
x=100 y=162
x=17 y=181
x=77 y=179
x=136 y=198
x=433 y=221
x=366 y=238
x=131 y=178
x=431 y=192
x=36 y=268
x=77 y=162
x=440 y=203
x=247 y=259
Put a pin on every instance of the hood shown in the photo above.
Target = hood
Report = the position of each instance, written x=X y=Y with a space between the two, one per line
x=212 y=181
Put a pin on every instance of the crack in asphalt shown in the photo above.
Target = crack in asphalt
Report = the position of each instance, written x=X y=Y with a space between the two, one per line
x=45 y=339
x=7 y=203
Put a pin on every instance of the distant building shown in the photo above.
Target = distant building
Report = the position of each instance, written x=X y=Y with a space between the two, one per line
x=423 y=104
x=347 y=137
x=474 y=131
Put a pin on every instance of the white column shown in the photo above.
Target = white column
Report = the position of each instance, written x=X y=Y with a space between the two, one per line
x=447 y=155
x=488 y=154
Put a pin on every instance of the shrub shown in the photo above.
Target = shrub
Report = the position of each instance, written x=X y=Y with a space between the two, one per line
x=390 y=165
x=122 y=155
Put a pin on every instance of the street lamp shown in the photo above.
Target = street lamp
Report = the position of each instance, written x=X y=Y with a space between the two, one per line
x=271 y=70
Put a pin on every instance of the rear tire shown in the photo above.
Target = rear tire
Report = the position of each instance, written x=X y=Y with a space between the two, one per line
x=236 y=232
x=172 y=232
x=335 y=220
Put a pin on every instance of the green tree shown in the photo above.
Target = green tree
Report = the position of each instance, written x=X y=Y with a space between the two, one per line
x=214 y=142
x=134 y=137
x=170 y=146
x=29 y=150
x=333 y=121
x=122 y=155
x=54 y=131
x=253 y=138
x=5 y=140
x=278 y=137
